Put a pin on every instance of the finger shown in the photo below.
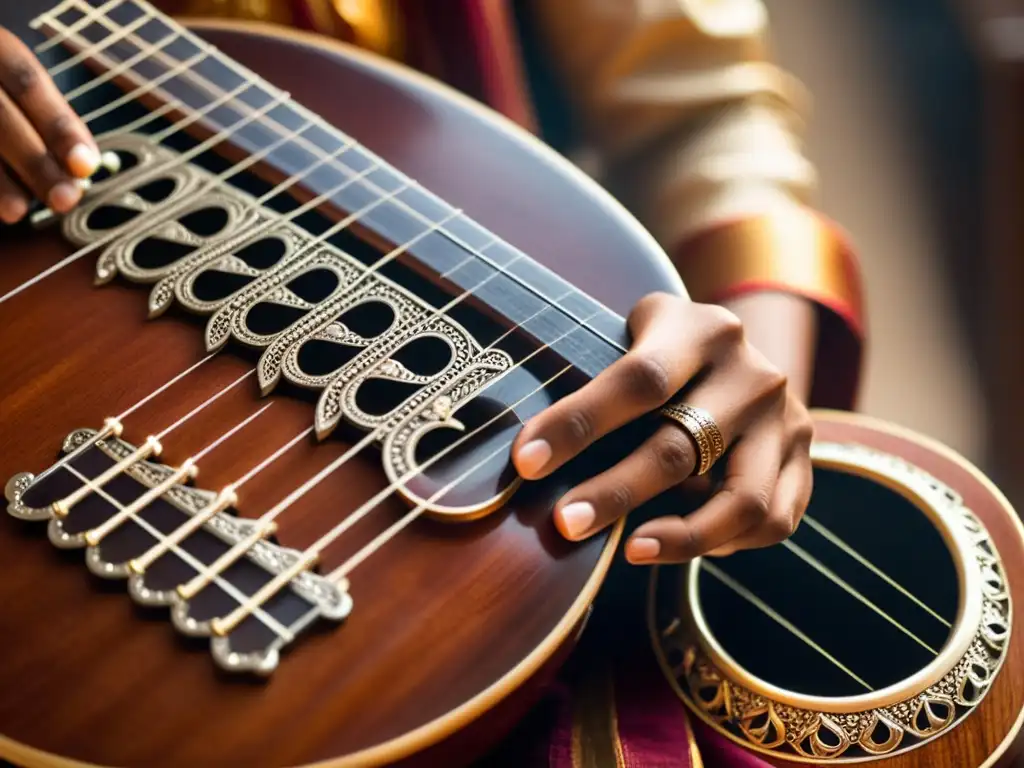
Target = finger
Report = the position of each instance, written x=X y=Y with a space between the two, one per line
x=792 y=495
x=731 y=397
x=14 y=203
x=29 y=86
x=668 y=351
x=743 y=500
x=26 y=154
x=666 y=459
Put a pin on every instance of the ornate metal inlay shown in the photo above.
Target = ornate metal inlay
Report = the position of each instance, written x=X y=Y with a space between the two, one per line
x=325 y=598
x=750 y=716
x=217 y=252
x=167 y=196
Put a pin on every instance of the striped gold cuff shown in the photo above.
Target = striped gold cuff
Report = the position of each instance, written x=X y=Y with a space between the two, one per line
x=796 y=251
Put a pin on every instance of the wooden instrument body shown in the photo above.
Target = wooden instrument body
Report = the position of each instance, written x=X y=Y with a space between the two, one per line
x=454 y=627
x=449 y=619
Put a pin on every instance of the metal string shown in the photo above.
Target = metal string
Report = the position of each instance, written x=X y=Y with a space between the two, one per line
x=95 y=48
x=824 y=570
x=838 y=542
x=141 y=90
x=277 y=126
x=754 y=600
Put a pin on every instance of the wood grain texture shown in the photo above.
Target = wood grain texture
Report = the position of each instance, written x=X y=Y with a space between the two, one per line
x=442 y=613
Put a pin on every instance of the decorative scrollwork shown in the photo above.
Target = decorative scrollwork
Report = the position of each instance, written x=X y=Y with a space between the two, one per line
x=775 y=727
x=191 y=254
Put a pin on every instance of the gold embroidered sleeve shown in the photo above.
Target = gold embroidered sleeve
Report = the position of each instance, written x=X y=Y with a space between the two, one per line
x=691 y=120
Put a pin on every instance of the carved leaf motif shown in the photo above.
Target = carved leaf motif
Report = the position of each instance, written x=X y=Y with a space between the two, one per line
x=811 y=743
x=764 y=727
x=869 y=740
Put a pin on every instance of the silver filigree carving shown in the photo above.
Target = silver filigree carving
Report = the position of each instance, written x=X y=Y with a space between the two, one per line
x=468 y=370
x=327 y=599
x=786 y=731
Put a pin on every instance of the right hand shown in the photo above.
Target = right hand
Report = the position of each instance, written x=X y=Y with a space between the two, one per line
x=45 y=145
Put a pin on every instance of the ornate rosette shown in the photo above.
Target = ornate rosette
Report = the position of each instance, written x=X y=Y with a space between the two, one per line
x=759 y=716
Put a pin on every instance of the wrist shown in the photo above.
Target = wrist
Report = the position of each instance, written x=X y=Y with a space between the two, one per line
x=794 y=281
x=784 y=328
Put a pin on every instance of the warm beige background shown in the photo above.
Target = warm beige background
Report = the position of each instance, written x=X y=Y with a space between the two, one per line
x=918 y=371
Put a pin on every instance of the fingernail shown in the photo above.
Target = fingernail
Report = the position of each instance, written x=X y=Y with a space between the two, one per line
x=83 y=160
x=12 y=209
x=642 y=550
x=64 y=196
x=532 y=458
x=576 y=519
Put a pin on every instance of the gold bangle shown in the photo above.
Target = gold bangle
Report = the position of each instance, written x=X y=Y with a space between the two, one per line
x=702 y=428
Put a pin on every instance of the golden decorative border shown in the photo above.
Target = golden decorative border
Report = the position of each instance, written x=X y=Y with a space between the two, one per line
x=763 y=713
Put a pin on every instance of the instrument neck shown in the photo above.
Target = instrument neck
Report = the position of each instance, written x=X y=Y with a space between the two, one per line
x=215 y=95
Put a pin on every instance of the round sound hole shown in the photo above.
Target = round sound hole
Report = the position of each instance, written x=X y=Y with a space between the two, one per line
x=863 y=596
x=877 y=627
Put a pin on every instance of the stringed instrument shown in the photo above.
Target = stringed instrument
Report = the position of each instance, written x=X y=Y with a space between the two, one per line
x=266 y=516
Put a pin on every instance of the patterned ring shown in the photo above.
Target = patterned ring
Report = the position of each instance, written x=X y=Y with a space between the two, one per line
x=702 y=428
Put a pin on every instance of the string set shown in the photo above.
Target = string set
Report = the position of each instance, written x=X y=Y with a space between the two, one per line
x=251 y=605
x=251 y=79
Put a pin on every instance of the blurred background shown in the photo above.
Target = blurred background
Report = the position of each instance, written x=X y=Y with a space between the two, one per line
x=918 y=134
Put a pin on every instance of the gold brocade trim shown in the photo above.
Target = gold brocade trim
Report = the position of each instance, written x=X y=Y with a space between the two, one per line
x=796 y=251
x=696 y=761
x=595 y=723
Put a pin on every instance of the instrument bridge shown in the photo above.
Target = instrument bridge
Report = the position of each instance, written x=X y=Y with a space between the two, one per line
x=178 y=547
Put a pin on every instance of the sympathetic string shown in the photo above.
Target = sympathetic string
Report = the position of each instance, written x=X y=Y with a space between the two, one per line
x=824 y=570
x=188 y=469
x=838 y=542
x=275 y=125
x=766 y=609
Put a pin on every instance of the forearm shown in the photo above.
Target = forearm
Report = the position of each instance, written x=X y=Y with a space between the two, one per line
x=784 y=328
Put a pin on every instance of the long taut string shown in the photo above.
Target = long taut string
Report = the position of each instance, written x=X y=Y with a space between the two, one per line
x=278 y=127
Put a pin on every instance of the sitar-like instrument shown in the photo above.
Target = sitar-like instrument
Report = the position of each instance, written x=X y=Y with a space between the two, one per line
x=265 y=514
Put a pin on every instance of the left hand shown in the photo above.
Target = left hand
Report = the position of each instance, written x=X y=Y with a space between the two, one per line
x=767 y=432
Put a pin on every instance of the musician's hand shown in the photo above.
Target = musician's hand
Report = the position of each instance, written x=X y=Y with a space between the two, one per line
x=44 y=146
x=767 y=433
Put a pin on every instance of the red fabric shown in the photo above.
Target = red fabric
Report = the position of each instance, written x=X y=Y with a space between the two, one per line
x=472 y=46
x=652 y=720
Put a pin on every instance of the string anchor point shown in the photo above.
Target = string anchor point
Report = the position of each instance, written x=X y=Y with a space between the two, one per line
x=223 y=625
x=151 y=447
x=45 y=217
x=110 y=162
x=226 y=498
x=203 y=578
